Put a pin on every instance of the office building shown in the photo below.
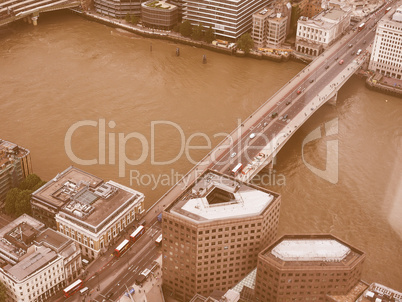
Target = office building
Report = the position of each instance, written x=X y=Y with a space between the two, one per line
x=159 y=14
x=118 y=8
x=386 y=56
x=213 y=232
x=380 y=293
x=269 y=28
x=229 y=19
x=318 y=33
x=36 y=262
x=87 y=209
x=15 y=165
x=307 y=267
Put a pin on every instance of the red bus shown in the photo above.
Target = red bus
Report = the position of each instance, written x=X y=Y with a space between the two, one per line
x=158 y=240
x=122 y=248
x=72 y=288
x=361 y=26
x=137 y=233
x=236 y=170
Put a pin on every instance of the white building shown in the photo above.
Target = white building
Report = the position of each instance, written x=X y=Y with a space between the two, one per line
x=269 y=28
x=386 y=57
x=86 y=209
x=316 y=34
x=36 y=262
x=229 y=18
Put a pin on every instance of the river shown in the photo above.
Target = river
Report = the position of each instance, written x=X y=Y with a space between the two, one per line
x=112 y=85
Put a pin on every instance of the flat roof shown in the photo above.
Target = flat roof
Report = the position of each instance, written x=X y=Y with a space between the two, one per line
x=10 y=152
x=314 y=250
x=310 y=250
x=216 y=196
x=54 y=239
x=6 y=248
x=33 y=262
x=60 y=189
x=107 y=199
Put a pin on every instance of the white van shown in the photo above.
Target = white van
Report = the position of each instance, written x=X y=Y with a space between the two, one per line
x=84 y=291
x=358 y=52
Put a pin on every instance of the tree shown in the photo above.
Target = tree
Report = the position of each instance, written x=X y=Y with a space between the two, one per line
x=22 y=204
x=209 y=35
x=135 y=19
x=29 y=182
x=38 y=185
x=3 y=292
x=11 y=199
x=198 y=32
x=186 y=28
x=245 y=42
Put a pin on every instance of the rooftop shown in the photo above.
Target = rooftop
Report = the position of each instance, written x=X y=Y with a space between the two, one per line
x=9 y=152
x=94 y=206
x=82 y=196
x=326 y=19
x=216 y=196
x=161 y=4
x=310 y=250
x=31 y=263
x=12 y=237
x=380 y=293
x=65 y=185
x=322 y=250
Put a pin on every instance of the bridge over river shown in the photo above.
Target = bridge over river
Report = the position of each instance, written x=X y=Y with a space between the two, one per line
x=256 y=141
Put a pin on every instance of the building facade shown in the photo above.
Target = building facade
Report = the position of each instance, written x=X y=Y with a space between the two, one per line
x=269 y=28
x=386 y=56
x=86 y=209
x=301 y=267
x=229 y=18
x=15 y=165
x=36 y=262
x=213 y=233
x=118 y=8
x=316 y=34
x=159 y=14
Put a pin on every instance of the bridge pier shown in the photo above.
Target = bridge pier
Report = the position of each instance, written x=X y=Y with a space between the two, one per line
x=332 y=100
x=35 y=21
x=34 y=18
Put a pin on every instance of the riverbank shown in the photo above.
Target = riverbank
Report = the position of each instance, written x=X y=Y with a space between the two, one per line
x=177 y=37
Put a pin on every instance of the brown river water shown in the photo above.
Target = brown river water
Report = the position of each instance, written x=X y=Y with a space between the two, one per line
x=112 y=86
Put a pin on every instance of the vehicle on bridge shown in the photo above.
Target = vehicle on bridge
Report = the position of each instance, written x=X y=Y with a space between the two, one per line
x=121 y=248
x=361 y=26
x=72 y=288
x=236 y=170
x=137 y=233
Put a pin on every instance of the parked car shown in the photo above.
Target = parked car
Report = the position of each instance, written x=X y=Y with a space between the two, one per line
x=252 y=135
x=340 y=62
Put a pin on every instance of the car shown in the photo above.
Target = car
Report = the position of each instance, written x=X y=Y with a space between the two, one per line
x=312 y=80
x=285 y=116
x=364 y=42
x=336 y=59
x=350 y=45
x=326 y=67
x=275 y=114
x=252 y=135
x=340 y=62
x=299 y=91
x=109 y=295
x=265 y=124
x=287 y=103
x=233 y=154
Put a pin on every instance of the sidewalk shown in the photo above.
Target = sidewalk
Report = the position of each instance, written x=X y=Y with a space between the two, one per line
x=150 y=290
